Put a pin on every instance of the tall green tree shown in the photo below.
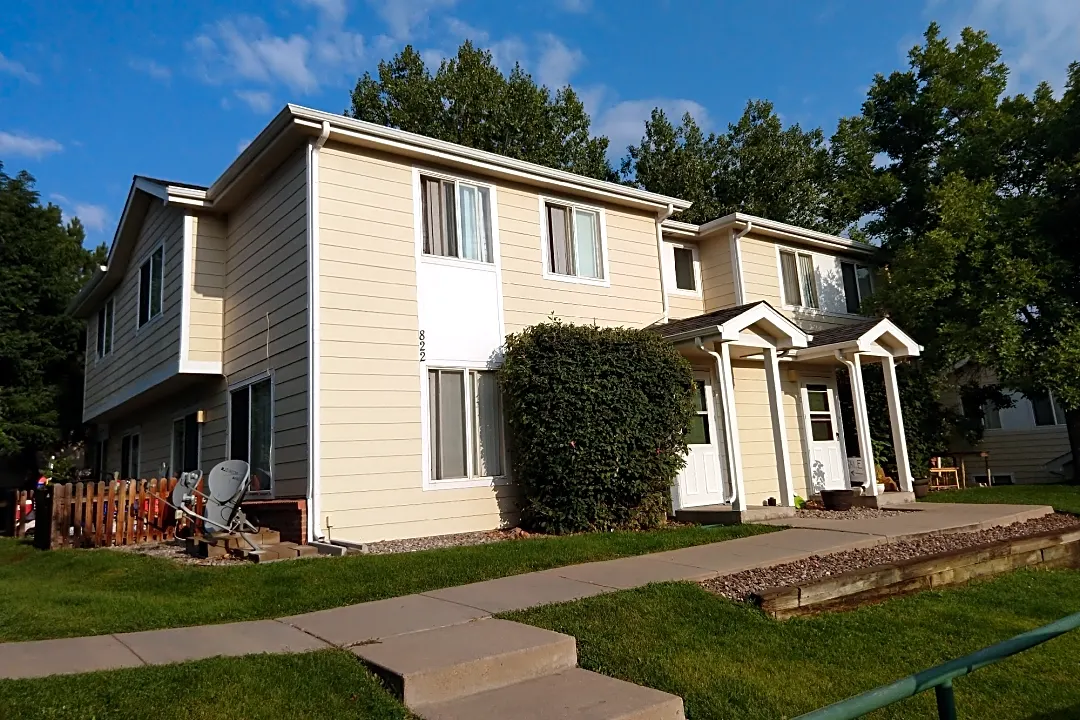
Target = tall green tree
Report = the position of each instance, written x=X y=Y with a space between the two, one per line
x=757 y=166
x=469 y=101
x=42 y=265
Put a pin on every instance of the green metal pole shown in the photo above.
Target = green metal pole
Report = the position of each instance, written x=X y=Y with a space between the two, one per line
x=946 y=701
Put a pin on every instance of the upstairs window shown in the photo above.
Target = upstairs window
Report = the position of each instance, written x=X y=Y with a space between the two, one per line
x=1045 y=409
x=105 y=329
x=456 y=219
x=858 y=285
x=573 y=241
x=800 y=280
x=151 y=286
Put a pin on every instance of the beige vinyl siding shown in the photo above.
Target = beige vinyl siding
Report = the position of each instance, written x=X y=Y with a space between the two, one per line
x=141 y=357
x=207 y=266
x=717 y=279
x=371 y=448
x=760 y=272
x=265 y=310
x=1023 y=453
x=683 y=306
x=154 y=424
x=633 y=298
x=756 y=444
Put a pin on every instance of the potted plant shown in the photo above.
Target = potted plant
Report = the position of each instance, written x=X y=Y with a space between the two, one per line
x=921 y=487
x=837 y=499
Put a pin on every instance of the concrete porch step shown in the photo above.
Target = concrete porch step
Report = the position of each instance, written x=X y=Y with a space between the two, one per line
x=445 y=664
x=726 y=515
x=573 y=694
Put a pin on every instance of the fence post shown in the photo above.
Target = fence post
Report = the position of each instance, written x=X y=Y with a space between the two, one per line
x=43 y=514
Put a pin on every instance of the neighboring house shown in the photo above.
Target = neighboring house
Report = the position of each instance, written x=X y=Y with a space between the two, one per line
x=1026 y=443
x=331 y=309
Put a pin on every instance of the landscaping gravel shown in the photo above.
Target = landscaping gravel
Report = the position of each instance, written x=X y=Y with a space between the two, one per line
x=175 y=550
x=444 y=541
x=855 y=513
x=739 y=586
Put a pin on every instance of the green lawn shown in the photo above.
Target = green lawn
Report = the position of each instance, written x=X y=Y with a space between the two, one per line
x=65 y=593
x=730 y=661
x=323 y=685
x=1064 y=498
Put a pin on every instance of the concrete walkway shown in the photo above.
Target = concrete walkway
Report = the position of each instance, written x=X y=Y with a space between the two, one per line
x=350 y=626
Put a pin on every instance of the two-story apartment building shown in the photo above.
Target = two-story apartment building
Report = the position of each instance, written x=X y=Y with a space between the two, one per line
x=331 y=309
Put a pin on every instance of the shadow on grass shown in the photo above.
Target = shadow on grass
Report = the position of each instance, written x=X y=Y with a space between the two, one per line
x=1069 y=713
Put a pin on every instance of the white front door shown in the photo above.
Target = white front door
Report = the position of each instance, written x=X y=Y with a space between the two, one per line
x=828 y=468
x=701 y=481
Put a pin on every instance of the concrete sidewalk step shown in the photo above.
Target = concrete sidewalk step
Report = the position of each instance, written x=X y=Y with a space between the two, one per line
x=568 y=695
x=448 y=663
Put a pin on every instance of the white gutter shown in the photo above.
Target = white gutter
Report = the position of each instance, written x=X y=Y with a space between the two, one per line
x=314 y=495
x=736 y=263
x=660 y=218
x=729 y=438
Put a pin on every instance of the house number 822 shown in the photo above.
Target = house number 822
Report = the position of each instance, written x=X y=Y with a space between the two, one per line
x=423 y=353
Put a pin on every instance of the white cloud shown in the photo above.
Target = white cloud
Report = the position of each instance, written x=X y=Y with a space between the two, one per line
x=1038 y=38
x=258 y=100
x=244 y=48
x=624 y=122
x=152 y=68
x=27 y=145
x=404 y=18
x=242 y=146
x=17 y=69
x=575 y=6
x=94 y=217
x=557 y=63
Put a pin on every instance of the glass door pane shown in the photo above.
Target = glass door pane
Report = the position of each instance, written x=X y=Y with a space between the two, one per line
x=700 y=433
x=487 y=426
x=261 y=429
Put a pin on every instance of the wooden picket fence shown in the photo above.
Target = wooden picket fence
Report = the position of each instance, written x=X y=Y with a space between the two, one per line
x=103 y=514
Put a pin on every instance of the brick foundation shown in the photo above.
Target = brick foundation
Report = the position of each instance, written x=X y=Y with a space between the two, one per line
x=288 y=517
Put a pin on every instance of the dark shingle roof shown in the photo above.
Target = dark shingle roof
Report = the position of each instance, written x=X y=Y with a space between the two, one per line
x=708 y=320
x=159 y=181
x=844 y=333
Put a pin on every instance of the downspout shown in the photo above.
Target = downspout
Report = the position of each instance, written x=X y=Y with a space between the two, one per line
x=728 y=439
x=736 y=263
x=660 y=218
x=314 y=495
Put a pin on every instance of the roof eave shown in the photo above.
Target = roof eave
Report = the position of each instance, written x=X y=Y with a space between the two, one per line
x=785 y=231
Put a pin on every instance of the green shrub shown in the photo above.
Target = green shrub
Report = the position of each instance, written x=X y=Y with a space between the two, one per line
x=597 y=418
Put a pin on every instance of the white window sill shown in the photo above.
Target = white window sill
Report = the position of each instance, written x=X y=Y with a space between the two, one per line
x=812 y=313
x=457 y=262
x=463 y=483
x=685 y=293
x=574 y=279
x=148 y=323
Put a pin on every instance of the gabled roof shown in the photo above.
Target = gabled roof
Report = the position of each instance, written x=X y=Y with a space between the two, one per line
x=873 y=337
x=727 y=323
x=771 y=228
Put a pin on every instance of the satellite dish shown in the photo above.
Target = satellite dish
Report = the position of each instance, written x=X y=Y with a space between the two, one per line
x=184 y=487
x=228 y=483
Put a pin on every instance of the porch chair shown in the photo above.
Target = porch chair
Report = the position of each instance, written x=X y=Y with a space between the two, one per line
x=942 y=476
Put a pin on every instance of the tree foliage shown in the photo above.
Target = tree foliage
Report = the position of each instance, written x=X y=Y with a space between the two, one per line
x=469 y=101
x=598 y=418
x=42 y=266
x=758 y=167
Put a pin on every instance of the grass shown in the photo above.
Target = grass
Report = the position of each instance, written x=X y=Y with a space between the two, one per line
x=1064 y=498
x=67 y=593
x=730 y=661
x=323 y=685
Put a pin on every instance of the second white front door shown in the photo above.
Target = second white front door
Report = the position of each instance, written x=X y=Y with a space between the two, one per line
x=701 y=482
x=828 y=467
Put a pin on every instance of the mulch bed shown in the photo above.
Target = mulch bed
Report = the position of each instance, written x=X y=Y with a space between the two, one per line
x=739 y=586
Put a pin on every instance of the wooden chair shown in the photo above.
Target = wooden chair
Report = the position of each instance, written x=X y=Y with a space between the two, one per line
x=944 y=476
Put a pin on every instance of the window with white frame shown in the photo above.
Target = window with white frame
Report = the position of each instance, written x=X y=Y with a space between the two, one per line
x=574 y=244
x=185 y=444
x=129 y=457
x=858 y=285
x=800 y=280
x=466 y=424
x=151 y=286
x=105 y=329
x=456 y=219
x=1029 y=410
x=684 y=268
x=251 y=430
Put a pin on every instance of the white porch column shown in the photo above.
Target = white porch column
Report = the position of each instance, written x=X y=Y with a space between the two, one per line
x=779 y=427
x=862 y=425
x=731 y=427
x=896 y=422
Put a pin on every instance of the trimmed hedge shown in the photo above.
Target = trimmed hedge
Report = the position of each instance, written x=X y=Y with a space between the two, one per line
x=598 y=419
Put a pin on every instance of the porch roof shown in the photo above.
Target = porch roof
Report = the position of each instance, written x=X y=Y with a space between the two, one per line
x=880 y=336
x=727 y=323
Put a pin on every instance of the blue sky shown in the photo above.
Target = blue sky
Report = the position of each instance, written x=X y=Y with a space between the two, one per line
x=94 y=92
